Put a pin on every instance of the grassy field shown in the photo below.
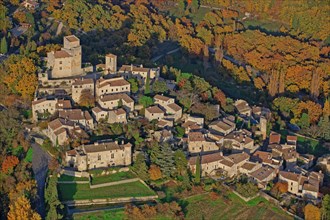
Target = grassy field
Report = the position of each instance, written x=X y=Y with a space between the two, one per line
x=112 y=177
x=64 y=177
x=117 y=214
x=202 y=207
x=83 y=191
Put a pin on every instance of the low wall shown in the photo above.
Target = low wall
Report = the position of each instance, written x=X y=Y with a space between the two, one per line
x=70 y=182
x=113 y=183
x=109 y=201
x=75 y=173
x=244 y=198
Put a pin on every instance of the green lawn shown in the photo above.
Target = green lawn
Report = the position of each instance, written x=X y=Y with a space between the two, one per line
x=112 y=177
x=117 y=214
x=64 y=177
x=83 y=191
x=202 y=207
x=29 y=154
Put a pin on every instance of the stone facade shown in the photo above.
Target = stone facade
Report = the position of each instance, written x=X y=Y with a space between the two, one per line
x=112 y=86
x=173 y=110
x=82 y=118
x=81 y=85
x=198 y=143
x=154 y=112
x=223 y=126
x=99 y=155
x=110 y=63
x=67 y=61
x=43 y=107
x=139 y=72
x=112 y=101
x=240 y=141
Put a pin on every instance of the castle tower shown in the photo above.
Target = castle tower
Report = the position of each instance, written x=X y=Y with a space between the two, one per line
x=263 y=127
x=72 y=46
x=110 y=63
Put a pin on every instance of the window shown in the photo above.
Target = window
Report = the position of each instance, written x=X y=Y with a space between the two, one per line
x=117 y=89
x=60 y=68
x=60 y=62
x=98 y=157
x=112 y=156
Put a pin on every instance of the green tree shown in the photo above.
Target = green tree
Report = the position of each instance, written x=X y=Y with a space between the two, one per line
x=194 y=5
x=180 y=131
x=165 y=159
x=54 y=207
x=140 y=167
x=159 y=87
x=134 y=85
x=181 y=6
x=326 y=207
x=3 y=46
x=304 y=121
x=146 y=101
x=180 y=162
x=147 y=86
x=120 y=103
x=198 y=170
x=324 y=125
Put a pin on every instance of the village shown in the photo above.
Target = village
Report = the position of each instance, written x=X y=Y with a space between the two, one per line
x=222 y=150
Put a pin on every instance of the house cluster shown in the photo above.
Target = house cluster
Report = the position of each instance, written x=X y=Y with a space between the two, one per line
x=222 y=148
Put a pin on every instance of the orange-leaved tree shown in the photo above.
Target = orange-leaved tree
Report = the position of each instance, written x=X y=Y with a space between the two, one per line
x=9 y=163
x=312 y=212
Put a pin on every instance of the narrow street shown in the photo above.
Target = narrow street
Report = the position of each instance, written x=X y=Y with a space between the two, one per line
x=40 y=161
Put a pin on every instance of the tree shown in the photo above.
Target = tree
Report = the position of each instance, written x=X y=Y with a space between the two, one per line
x=219 y=96
x=326 y=207
x=140 y=167
x=147 y=86
x=146 y=101
x=155 y=172
x=3 y=46
x=86 y=98
x=134 y=85
x=54 y=207
x=9 y=163
x=166 y=160
x=21 y=210
x=180 y=162
x=198 y=170
x=180 y=131
x=326 y=108
x=312 y=212
x=159 y=87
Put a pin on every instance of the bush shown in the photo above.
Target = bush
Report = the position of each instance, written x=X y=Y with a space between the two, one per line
x=247 y=190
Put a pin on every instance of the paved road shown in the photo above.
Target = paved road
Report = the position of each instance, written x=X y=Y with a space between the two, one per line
x=40 y=167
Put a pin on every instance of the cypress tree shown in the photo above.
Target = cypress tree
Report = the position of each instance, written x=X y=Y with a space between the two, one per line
x=4 y=46
x=166 y=159
x=54 y=207
x=198 y=170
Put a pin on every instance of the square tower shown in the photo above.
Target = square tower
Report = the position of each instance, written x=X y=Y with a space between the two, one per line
x=110 y=63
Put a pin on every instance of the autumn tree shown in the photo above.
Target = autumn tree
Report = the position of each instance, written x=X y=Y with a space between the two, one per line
x=155 y=172
x=159 y=87
x=9 y=163
x=21 y=210
x=219 y=96
x=312 y=212
x=86 y=98
x=326 y=207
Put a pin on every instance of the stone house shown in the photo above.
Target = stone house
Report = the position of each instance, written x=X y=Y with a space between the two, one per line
x=197 y=143
x=113 y=101
x=111 y=116
x=324 y=163
x=305 y=186
x=80 y=85
x=42 y=108
x=173 y=110
x=240 y=141
x=230 y=164
x=78 y=116
x=139 y=72
x=263 y=175
x=112 y=86
x=209 y=163
x=242 y=107
x=191 y=126
x=266 y=158
x=30 y=4
x=99 y=155
x=67 y=61
x=285 y=152
x=110 y=63
x=274 y=138
x=249 y=167
x=60 y=130
x=165 y=123
x=223 y=126
x=154 y=112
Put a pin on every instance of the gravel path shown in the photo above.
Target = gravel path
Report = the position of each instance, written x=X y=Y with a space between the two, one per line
x=40 y=167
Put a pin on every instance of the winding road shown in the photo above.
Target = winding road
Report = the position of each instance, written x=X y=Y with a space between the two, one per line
x=40 y=161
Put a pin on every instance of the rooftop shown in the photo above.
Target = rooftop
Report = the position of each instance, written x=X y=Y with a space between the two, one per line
x=154 y=110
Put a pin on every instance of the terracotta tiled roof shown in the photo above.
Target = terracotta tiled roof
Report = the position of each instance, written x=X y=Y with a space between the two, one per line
x=111 y=55
x=72 y=114
x=118 y=96
x=60 y=131
x=228 y=163
x=71 y=152
x=196 y=136
x=237 y=158
x=209 y=158
x=161 y=97
x=290 y=175
x=262 y=157
x=96 y=110
x=154 y=109
x=61 y=54
x=274 y=138
x=93 y=148
x=248 y=165
x=82 y=81
x=175 y=107
x=262 y=173
x=72 y=38
x=133 y=68
x=310 y=187
x=112 y=82
x=291 y=138
x=120 y=111
x=239 y=137
x=63 y=104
